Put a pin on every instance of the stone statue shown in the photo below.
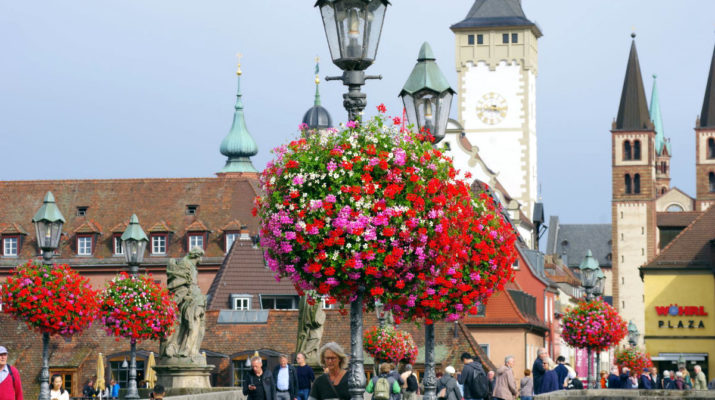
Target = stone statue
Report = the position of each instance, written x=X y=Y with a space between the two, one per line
x=311 y=319
x=182 y=281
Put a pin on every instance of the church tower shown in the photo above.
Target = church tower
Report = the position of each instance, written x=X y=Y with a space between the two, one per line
x=662 y=145
x=634 y=191
x=705 y=146
x=496 y=59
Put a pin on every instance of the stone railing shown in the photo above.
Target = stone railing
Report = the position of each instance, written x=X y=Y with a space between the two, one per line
x=625 y=394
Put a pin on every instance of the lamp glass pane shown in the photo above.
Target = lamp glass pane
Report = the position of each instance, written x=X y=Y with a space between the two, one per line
x=375 y=18
x=350 y=18
x=331 y=33
x=409 y=102
x=444 y=103
x=589 y=277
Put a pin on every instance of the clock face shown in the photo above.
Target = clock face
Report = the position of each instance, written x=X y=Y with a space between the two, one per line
x=491 y=108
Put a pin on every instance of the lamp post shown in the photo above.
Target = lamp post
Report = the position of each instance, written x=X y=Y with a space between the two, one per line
x=427 y=97
x=590 y=280
x=48 y=228
x=134 y=242
x=353 y=29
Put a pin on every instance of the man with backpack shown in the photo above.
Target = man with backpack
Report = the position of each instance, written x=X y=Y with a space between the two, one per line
x=10 y=384
x=384 y=385
x=474 y=379
x=411 y=384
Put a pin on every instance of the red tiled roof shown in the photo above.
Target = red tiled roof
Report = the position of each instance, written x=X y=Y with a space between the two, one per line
x=692 y=248
x=676 y=219
x=160 y=204
x=197 y=226
x=244 y=272
x=13 y=228
x=120 y=227
x=233 y=225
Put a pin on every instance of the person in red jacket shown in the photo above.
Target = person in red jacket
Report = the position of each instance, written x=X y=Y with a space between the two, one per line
x=10 y=384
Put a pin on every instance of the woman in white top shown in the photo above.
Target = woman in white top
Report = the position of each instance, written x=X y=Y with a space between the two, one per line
x=57 y=392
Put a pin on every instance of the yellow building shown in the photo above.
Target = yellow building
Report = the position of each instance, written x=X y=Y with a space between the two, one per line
x=680 y=299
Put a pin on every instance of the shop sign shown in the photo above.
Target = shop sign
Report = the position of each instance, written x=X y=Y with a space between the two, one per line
x=674 y=310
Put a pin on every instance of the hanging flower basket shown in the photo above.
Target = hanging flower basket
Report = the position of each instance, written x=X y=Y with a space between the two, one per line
x=52 y=299
x=135 y=307
x=390 y=344
x=633 y=359
x=593 y=325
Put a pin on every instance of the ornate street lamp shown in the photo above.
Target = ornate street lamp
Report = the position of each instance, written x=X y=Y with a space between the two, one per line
x=353 y=29
x=590 y=281
x=134 y=242
x=48 y=227
x=633 y=334
x=589 y=274
x=427 y=95
x=600 y=283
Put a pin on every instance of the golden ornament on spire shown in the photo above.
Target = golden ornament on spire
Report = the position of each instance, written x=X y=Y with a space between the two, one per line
x=317 y=78
x=238 y=69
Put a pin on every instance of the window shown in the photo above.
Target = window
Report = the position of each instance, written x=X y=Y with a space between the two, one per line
x=485 y=348
x=470 y=39
x=481 y=310
x=711 y=182
x=118 y=250
x=326 y=306
x=711 y=148
x=84 y=245
x=158 y=244
x=279 y=302
x=67 y=379
x=241 y=303
x=627 y=151
x=230 y=238
x=10 y=246
x=636 y=184
x=196 y=241
x=480 y=39
x=637 y=150
x=628 y=184
x=516 y=264
x=191 y=209
x=120 y=371
x=515 y=38
x=82 y=211
x=505 y=38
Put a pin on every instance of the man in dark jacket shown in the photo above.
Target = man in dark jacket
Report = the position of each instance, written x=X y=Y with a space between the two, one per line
x=655 y=378
x=625 y=374
x=286 y=380
x=474 y=379
x=561 y=371
x=645 y=381
x=614 y=381
x=538 y=370
x=257 y=383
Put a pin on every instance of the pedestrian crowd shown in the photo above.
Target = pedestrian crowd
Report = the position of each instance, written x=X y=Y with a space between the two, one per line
x=289 y=382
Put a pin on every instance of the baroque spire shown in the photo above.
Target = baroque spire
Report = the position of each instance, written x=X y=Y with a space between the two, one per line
x=633 y=108
x=317 y=117
x=656 y=117
x=238 y=145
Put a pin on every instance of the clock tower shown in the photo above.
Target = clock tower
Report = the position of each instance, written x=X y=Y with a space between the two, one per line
x=496 y=50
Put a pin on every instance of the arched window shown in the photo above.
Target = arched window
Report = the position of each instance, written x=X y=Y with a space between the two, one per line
x=711 y=182
x=637 y=150
x=711 y=148
x=662 y=190
x=636 y=183
x=628 y=184
x=626 y=150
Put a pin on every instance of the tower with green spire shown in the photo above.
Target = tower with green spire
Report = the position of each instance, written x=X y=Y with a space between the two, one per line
x=662 y=144
x=317 y=117
x=238 y=145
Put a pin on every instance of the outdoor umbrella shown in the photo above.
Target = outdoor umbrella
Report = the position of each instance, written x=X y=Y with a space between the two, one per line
x=100 y=385
x=150 y=375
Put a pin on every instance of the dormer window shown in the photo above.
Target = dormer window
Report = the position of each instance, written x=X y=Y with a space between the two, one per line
x=82 y=211
x=230 y=238
x=158 y=243
x=10 y=246
x=85 y=245
x=191 y=209
x=117 y=249
x=196 y=240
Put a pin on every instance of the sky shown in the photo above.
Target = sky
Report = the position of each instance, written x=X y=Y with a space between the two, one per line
x=132 y=89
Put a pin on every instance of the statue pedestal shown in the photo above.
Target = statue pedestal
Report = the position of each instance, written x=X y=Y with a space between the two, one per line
x=183 y=375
